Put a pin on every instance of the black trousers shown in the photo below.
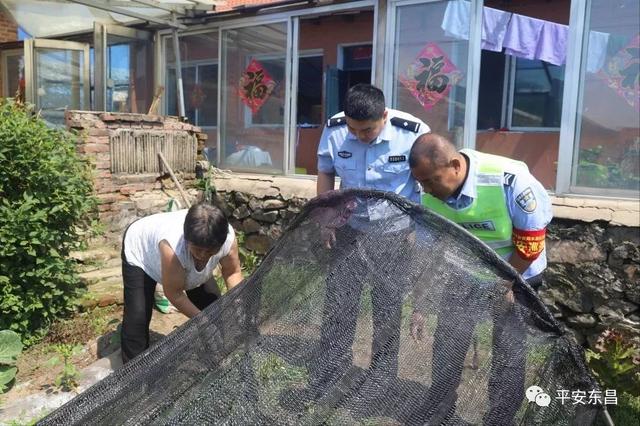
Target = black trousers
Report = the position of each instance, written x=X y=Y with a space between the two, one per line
x=139 y=289
x=454 y=332
x=351 y=269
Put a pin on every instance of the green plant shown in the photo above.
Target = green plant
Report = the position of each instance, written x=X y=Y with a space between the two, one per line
x=10 y=348
x=595 y=171
x=67 y=380
x=248 y=259
x=616 y=362
x=46 y=201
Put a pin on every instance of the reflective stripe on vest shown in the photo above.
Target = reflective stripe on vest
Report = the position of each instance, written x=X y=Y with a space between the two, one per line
x=487 y=217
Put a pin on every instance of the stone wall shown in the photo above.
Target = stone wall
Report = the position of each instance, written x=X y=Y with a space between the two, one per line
x=592 y=278
x=126 y=196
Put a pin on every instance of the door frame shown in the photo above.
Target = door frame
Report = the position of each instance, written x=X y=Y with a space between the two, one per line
x=101 y=33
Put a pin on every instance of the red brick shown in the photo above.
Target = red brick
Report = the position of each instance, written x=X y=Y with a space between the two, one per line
x=90 y=148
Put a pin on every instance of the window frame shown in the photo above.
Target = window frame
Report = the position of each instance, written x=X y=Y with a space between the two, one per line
x=4 y=66
x=508 y=104
x=197 y=64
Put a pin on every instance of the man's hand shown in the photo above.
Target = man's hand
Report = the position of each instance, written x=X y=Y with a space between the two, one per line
x=328 y=237
x=416 y=326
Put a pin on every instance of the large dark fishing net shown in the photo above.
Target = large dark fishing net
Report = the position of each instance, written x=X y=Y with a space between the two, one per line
x=322 y=336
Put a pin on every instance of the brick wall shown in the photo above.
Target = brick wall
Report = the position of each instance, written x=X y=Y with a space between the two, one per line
x=8 y=28
x=125 y=196
x=8 y=32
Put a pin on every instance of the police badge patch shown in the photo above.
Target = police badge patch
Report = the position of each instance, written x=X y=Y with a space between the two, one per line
x=345 y=154
x=527 y=201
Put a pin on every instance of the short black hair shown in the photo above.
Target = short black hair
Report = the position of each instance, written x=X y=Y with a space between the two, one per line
x=364 y=102
x=433 y=147
x=206 y=226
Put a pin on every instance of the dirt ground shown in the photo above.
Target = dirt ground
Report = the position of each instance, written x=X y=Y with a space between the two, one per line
x=96 y=333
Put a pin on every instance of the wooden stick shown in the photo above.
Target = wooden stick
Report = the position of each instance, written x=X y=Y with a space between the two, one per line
x=175 y=179
x=153 y=109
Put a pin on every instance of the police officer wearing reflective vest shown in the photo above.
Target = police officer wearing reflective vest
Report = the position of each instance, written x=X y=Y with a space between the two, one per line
x=367 y=146
x=500 y=202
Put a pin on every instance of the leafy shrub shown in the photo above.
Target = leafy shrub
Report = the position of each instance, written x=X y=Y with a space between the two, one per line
x=616 y=362
x=45 y=198
x=10 y=348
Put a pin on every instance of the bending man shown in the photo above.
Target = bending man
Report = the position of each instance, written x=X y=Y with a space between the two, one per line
x=500 y=202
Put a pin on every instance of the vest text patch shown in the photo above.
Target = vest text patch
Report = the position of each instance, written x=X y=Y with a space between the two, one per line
x=397 y=158
x=487 y=225
x=344 y=154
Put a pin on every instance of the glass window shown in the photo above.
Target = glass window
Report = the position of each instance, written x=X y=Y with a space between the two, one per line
x=309 y=111
x=200 y=85
x=537 y=94
x=270 y=113
x=334 y=53
x=430 y=68
x=608 y=150
x=253 y=97
x=199 y=59
x=13 y=74
x=520 y=100
x=129 y=74
x=59 y=82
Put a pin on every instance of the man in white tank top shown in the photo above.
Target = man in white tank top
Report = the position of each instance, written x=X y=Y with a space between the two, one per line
x=180 y=250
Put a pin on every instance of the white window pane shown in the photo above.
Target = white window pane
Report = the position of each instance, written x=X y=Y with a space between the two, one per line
x=609 y=118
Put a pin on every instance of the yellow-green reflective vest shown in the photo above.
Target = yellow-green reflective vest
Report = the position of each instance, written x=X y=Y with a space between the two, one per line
x=487 y=217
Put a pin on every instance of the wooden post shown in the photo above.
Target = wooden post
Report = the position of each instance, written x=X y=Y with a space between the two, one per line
x=174 y=178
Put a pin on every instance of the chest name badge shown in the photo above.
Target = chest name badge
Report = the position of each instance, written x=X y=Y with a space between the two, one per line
x=397 y=158
x=344 y=154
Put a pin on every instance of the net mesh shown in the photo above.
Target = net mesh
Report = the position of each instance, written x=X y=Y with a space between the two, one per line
x=406 y=319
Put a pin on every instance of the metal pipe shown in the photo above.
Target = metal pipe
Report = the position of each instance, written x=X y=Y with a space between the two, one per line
x=179 y=87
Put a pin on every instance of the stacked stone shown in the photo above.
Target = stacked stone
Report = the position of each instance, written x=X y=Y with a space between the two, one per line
x=261 y=219
x=593 y=278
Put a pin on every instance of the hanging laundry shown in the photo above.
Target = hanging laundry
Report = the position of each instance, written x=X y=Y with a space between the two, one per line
x=456 y=22
x=494 y=28
x=431 y=76
x=597 y=51
x=522 y=36
x=552 y=44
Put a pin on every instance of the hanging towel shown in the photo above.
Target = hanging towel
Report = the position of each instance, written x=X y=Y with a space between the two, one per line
x=456 y=24
x=596 y=50
x=522 y=36
x=552 y=44
x=494 y=28
x=456 y=19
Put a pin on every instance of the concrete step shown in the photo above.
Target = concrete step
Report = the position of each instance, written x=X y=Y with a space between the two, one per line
x=101 y=274
x=115 y=262
x=96 y=254
x=104 y=293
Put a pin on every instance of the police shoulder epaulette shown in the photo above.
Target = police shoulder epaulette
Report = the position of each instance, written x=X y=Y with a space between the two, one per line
x=412 y=126
x=336 y=121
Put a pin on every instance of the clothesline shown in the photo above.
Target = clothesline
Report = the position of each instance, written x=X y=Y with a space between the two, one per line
x=522 y=36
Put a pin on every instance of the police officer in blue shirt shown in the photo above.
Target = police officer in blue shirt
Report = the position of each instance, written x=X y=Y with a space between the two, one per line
x=366 y=146
x=500 y=202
